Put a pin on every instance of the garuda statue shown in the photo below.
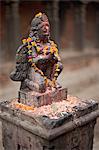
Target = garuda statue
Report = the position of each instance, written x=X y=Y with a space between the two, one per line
x=38 y=64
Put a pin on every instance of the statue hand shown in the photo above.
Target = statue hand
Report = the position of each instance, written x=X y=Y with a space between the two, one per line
x=54 y=83
x=39 y=59
x=50 y=56
x=51 y=83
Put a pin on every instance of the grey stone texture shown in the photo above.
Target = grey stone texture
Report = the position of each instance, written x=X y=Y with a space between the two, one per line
x=40 y=99
x=23 y=131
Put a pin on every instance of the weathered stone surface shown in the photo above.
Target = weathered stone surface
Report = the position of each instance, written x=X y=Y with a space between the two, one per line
x=38 y=63
x=22 y=130
x=53 y=123
x=18 y=137
x=40 y=99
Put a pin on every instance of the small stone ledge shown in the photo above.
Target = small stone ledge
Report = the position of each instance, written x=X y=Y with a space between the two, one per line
x=40 y=99
x=53 y=132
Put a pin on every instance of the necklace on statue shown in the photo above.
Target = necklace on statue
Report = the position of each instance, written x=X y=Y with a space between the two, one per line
x=50 y=48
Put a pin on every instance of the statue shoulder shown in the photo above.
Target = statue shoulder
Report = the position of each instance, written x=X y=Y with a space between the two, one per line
x=20 y=72
x=21 y=48
x=21 y=53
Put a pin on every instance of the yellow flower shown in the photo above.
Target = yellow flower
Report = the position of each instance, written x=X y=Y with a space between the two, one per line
x=36 y=69
x=30 y=60
x=38 y=49
x=51 y=50
x=55 y=49
x=33 y=64
x=42 y=74
x=29 y=46
x=45 y=78
x=46 y=82
x=57 y=65
x=29 y=39
x=57 y=69
x=56 y=74
x=38 y=15
x=24 y=41
x=30 y=51
x=52 y=43
x=46 y=47
x=33 y=43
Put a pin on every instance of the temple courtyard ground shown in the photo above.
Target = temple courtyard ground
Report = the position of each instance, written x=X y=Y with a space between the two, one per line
x=80 y=76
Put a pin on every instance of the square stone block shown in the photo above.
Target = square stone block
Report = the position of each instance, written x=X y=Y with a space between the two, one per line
x=40 y=99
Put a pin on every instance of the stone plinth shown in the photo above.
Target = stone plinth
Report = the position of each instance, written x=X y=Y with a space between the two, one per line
x=72 y=129
x=40 y=99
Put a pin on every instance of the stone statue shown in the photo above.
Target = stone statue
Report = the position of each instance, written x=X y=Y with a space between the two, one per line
x=37 y=60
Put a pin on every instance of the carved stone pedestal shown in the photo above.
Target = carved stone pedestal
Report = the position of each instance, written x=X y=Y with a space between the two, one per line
x=73 y=130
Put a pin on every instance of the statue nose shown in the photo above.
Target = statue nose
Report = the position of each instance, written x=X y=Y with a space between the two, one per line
x=46 y=28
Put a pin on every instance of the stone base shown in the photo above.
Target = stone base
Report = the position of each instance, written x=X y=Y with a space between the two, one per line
x=40 y=99
x=23 y=131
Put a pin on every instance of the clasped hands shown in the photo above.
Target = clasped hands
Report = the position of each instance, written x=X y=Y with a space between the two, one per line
x=44 y=58
x=50 y=83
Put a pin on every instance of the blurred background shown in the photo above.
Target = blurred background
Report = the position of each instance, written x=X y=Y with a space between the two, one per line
x=74 y=27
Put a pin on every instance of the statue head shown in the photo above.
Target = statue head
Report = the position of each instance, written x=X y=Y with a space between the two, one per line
x=40 y=27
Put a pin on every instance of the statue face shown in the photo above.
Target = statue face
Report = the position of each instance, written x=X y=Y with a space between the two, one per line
x=44 y=29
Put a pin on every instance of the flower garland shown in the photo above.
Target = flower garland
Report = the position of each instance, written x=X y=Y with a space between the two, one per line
x=53 y=50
